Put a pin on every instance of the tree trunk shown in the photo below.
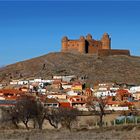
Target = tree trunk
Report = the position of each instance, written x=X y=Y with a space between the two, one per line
x=55 y=125
x=26 y=124
x=101 y=120
x=15 y=123
x=40 y=123
x=34 y=123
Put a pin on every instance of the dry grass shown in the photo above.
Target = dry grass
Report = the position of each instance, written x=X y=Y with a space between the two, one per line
x=95 y=134
x=111 y=68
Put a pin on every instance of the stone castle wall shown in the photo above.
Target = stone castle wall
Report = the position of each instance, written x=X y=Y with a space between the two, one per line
x=92 y=50
x=73 y=46
x=88 y=45
x=113 y=52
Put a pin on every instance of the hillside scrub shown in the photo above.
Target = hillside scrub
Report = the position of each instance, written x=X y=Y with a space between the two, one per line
x=125 y=69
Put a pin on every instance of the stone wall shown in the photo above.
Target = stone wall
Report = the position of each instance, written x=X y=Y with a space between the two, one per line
x=92 y=50
x=104 y=52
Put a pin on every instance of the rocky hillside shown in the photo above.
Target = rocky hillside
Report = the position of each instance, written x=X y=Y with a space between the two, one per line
x=98 y=69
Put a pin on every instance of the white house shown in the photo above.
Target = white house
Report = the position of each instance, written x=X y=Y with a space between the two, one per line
x=72 y=93
x=117 y=108
x=67 y=86
x=37 y=80
x=14 y=83
x=103 y=93
x=1 y=86
x=24 y=82
x=134 y=89
x=64 y=78
x=43 y=91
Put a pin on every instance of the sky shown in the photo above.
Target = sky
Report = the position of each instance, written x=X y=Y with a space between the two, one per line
x=33 y=28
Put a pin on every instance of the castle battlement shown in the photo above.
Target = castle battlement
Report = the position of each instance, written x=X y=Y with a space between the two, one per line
x=88 y=45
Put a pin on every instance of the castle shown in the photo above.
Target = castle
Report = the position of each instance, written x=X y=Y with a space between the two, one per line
x=88 y=45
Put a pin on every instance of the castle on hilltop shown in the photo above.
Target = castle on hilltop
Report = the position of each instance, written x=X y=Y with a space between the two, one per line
x=88 y=45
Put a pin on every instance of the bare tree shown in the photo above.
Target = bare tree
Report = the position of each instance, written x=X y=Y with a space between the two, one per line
x=53 y=116
x=102 y=103
x=64 y=116
x=27 y=109
x=98 y=105
x=68 y=116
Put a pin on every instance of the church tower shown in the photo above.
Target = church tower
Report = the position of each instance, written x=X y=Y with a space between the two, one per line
x=106 y=41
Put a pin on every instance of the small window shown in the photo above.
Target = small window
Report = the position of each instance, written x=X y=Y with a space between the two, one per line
x=54 y=104
x=77 y=100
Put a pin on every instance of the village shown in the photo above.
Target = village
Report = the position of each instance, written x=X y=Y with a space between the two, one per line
x=69 y=70
x=72 y=92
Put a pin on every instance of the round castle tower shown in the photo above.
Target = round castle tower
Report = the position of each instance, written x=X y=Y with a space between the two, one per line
x=64 y=44
x=89 y=37
x=106 y=41
x=82 y=45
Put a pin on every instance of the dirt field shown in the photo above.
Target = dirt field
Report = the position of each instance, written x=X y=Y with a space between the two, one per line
x=118 y=133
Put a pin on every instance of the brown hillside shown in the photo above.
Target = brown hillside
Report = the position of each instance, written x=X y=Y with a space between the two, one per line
x=112 y=68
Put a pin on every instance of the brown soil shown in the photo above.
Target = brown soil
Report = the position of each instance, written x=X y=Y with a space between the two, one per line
x=98 y=69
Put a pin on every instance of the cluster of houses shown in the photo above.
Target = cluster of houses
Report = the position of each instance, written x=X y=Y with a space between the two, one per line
x=71 y=92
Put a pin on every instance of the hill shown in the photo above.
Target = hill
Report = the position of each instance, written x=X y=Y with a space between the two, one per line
x=116 y=68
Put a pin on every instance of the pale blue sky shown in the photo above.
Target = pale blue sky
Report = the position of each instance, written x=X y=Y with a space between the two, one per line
x=33 y=28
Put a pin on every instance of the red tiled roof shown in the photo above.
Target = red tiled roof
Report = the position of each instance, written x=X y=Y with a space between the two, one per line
x=78 y=96
x=72 y=99
x=78 y=102
x=122 y=91
x=88 y=90
x=65 y=104
x=7 y=105
x=113 y=102
x=11 y=91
